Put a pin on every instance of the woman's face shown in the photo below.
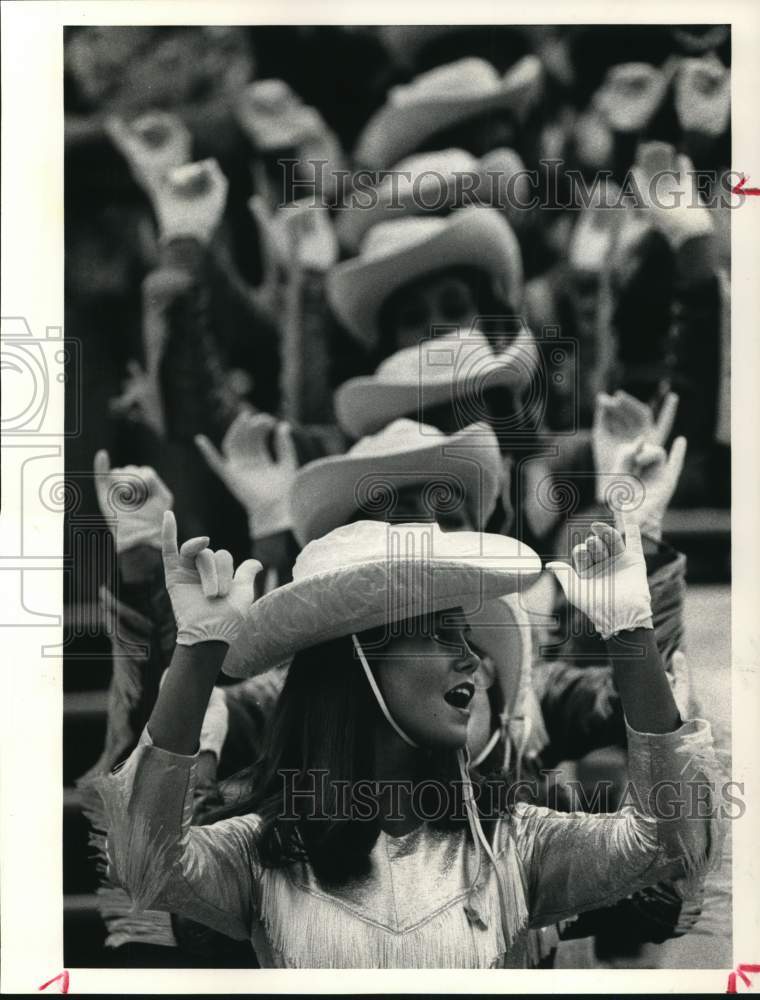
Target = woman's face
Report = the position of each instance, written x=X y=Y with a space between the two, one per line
x=427 y=672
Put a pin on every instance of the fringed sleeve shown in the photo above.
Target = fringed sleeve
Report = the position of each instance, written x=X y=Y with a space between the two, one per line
x=669 y=827
x=205 y=873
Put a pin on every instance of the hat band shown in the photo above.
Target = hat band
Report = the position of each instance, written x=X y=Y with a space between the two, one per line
x=378 y=694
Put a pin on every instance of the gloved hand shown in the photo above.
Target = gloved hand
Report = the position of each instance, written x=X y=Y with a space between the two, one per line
x=152 y=144
x=608 y=579
x=666 y=182
x=190 y=201
x=136 y=497
x=619 y=421
x=648 y=479
x=209 y=603
x=141 y=400
x=680 y=683
x=260 y=483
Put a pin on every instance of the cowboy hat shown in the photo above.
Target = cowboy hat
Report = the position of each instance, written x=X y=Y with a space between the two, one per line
x=396 y=252
x=370 y=573
x=440 y=371
x=440 y=98
x=327 y=492
x=428 y=184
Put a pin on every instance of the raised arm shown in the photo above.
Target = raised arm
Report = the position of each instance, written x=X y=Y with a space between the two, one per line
x=205 y=873
x=576 y=861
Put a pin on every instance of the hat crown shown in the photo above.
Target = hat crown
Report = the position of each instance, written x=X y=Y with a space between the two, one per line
x=442 y=161
x=367 y=541
x=400 y=435
x=468 y=77
x=634 y=78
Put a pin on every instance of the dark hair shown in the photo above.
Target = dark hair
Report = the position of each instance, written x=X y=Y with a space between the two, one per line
x=324 y=721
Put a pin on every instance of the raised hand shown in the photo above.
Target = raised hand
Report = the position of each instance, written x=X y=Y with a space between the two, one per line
x=190 y=201
x=619 y=421
x=667 y=185
x=152 y=144
x=208 y=600
x=649 y=476
x=141 y=399
x=261 y=484
x=607 y=580
x=136 y=497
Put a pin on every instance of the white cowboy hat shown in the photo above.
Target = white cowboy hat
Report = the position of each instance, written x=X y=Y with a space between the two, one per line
x=466 y=465
x=363 y=575
x=443 y=370
x=427 y=184
x=440 y=98
x=396 y=252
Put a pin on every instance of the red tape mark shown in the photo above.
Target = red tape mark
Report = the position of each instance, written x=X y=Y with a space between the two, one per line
x=741 y=971
x=64 y=978
x=739 y=187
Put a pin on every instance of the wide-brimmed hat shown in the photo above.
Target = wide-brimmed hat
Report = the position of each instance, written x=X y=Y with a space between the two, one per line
x=441 y=98
x=396 y=252
x=631 y=95
x=370 y=573
x=441 y=371
x=461 y=468
x=429 y=184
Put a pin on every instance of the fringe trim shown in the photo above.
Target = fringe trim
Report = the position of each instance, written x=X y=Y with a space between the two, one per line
x=124 y=921
x=311 y=930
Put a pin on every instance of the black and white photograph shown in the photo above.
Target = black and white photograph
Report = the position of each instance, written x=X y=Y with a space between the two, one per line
x=393 y=482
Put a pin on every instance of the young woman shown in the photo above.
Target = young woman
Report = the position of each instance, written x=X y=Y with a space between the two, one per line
x=341 y=864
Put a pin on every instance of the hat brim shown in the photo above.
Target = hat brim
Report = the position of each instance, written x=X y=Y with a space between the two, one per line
x=366 y=404
x=397 y=130
x=476 y=236
x=330 y=490
x=361 y=596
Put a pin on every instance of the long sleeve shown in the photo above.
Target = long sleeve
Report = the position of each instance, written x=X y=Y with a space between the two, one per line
x=206 y=873
x=576 y=861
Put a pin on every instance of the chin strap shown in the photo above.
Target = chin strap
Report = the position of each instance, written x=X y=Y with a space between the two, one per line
x=378 y=694
x=475 y=907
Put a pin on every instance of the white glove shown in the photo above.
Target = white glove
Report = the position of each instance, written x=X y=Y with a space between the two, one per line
x=608 y=579
x=152 y=144
x=619 y=421
x=191 y=200
x=261 y=484
x=666 y=182
x=136 y=497
x=680 y=683
x=209 y=603
x=648 y=479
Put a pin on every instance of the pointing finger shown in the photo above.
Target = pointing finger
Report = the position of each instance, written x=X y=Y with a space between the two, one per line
x=169 y=539
x=676 y=459
x=665 y=418
x=213 y=458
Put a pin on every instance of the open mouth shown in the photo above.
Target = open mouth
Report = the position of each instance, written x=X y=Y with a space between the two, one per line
x=461 y=695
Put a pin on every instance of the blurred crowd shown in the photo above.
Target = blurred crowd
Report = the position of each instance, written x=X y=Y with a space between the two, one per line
x=264 y=224
x=184 y=321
